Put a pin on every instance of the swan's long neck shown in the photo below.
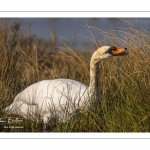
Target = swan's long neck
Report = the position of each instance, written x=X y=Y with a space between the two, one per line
x=94 y=87
x=93 y=91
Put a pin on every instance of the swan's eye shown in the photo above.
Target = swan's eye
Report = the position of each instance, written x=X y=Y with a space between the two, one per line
x=113 y=48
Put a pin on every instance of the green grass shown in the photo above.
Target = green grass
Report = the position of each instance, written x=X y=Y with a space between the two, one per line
x=125 y=81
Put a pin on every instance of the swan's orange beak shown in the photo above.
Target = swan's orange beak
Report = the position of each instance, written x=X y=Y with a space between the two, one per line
x=119 y=51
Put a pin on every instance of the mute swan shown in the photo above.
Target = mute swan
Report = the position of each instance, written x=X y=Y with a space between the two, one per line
x=59 y=98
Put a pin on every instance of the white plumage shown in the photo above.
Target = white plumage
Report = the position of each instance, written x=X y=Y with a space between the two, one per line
x=59 y=98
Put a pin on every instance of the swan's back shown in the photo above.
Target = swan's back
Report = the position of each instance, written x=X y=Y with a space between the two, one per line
x=56 y=89
x=58 y=95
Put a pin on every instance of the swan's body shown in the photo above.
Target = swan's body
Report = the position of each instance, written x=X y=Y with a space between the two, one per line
x=51 y=98
x=59 y=98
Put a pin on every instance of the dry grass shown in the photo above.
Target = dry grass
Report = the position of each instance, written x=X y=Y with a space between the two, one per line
x=125 y=81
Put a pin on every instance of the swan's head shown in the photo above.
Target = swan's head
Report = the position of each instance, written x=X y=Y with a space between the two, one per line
x=108 y=51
